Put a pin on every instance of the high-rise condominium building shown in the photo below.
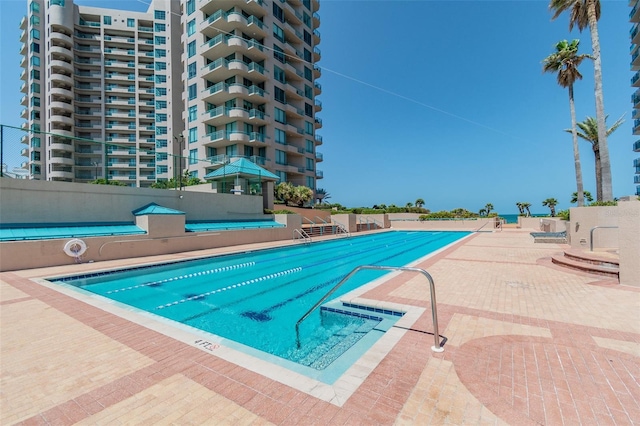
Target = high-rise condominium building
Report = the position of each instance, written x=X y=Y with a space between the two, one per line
x=198 y=80
x=634 y=17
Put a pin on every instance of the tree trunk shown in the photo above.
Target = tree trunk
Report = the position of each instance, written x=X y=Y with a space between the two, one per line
x=605 y=163
x=596 y=153
x=576 y=150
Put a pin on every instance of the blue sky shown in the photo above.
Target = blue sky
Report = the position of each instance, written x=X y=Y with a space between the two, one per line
x=440 y=100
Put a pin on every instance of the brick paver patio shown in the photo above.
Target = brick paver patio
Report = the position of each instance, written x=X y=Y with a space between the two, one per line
x=528 y=342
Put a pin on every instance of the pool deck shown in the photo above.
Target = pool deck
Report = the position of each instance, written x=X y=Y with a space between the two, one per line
x=528 y=342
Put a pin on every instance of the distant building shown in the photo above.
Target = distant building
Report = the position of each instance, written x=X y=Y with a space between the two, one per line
x=205 y=80
x=634 y=17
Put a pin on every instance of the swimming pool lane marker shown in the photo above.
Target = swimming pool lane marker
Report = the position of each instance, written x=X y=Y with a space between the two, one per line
x=182 y=277
x=230 y=287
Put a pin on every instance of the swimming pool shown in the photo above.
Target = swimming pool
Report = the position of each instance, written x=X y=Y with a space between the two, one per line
x=255 y=298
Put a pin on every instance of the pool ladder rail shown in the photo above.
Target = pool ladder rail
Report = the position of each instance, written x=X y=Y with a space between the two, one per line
x=300 y=234
x=437 y=347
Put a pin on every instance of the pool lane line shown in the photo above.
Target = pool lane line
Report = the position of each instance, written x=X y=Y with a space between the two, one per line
x=242 y=284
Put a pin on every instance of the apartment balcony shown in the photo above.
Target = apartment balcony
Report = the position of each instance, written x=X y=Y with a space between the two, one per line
x=316 y=54
x=119 y=76
x=62 y=146
x=61 y=79
x=61 y=39
x=635 y=80
x=316 y=37
x=636 y=126
x=293 y=131
x=319 y=174
x=23 y=23
x=634 y=34
x=635 y=99
x=317 y=88
x=61 y=106
x=293 y=93
x=61 y=52
x=61 y=161
x=317 y=123
x=318 y=105
x=24 y=139
x=23 y=88
x=24 y=152
x=61 y=174
x=635 y=58
x=223 y=137
x=636 y=146
x=23 y=36
x=88 y=62
x=24 y=113
x=63 y=133
x=23 y=75
x=316 y=18
x=62 y=119
x=319 y=157
x=293 y=112
x=634 y=15
x=226 y=22
x=24 y=100
x=221 y=69
x=61 y=92
x=122 y=54
x=317 y=139
x=223 y=45
x=291 y=33
x=23 y=49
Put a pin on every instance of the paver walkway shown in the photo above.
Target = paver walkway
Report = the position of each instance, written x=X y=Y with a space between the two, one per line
x=527 y=343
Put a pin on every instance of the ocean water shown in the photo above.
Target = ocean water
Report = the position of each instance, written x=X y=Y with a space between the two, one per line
x=513 y=218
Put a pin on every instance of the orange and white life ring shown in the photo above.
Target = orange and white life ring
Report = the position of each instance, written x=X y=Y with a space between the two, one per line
x=75 y=247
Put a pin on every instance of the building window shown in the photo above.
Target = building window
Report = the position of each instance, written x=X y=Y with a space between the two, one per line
x=193 y=156
x=308 y=91
x=281 y=157
x=160 y=66
x=161 y=143
x=162 y=169
x=191 y=48
x=160 y=40
x=106 y=20
x=191 y=27
x=193 y=113
x=159 y=14
x=56 y=3
x=35 y=101
x=278 y=53
x=35 y=34
x=131 y=23
x=279 y=95
x=193 y=135
x=35 y=87
x=279 y=74
x=35 y=61
x=280 y=136
x=35 y=74
x=211 y=152
x=160 y=27
x=306 y=19
x=162 y=156
x=161 y=117
x=34 y=20
x=307 y=55
x=307 y=4
x=191 y=70
x=308 y=74
x=311 y=183
x=309 y=162
x=161 y=130
x=308 y=110
x=191 y=6
x=161 y=78
x=308 y=128
x=35 y=143
x=161 y=91
x=34 y=7
x=309 y=145
x=306 y=35
x=280 y=115
x=231 y=150
x=35 y=47
x=278 y=32
x=278 y=13
x=193 y=91
x=161 y=104
x=161 y=53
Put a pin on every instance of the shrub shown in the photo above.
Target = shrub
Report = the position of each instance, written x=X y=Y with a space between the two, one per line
x=563 y=214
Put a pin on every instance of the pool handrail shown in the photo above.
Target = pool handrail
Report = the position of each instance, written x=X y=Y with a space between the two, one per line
x=488 y=222
x=437 y=347
x=341 y=228
x=321 y=220
x=591 y=234
x=303 y=235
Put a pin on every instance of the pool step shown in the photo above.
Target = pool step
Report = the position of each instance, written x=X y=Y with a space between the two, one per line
x=333 y=347
x=588 y=262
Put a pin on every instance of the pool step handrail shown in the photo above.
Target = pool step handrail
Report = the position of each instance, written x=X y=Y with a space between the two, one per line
x=340 y=228
x=493 y=222
x=591 y=234
x=321 y=220
x=376 y=224
x=437 y=347
x=301 y=234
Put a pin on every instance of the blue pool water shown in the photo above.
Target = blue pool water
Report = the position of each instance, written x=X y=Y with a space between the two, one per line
x=255 y=298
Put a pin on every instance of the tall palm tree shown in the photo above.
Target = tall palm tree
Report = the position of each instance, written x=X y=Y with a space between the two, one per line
x=526 y=207
x=589 y=132
x=551 y=203
x=565 y=61
x=587 y=196
x=520 y=207
x=419 y=202
x=488 y=208
x=585 y=13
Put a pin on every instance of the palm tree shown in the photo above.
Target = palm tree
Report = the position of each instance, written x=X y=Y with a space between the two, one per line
x=482 y=212
x=520 y=207
x=322 y=195
x=526 y=207
x=564 y=61
x=419 y=202
x=587 y=196
x=589 y=132
x=551 y=203
x=488 y=208
x=587 y=13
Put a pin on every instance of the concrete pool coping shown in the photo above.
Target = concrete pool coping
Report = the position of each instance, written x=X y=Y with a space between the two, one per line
x=572 y=340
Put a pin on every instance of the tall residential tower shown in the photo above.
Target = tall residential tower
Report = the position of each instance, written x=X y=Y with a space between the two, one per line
x=205 y=80
x=634 y=17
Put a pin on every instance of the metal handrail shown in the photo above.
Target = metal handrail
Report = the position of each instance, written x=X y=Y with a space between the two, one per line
x=340 y=227
x=302 y=234
x=434 y=313
x=321 y=219
x=591 y=234
x=310 y=221
x=375 y=222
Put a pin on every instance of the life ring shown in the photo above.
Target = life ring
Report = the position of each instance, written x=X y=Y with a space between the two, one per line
x=75 y=247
